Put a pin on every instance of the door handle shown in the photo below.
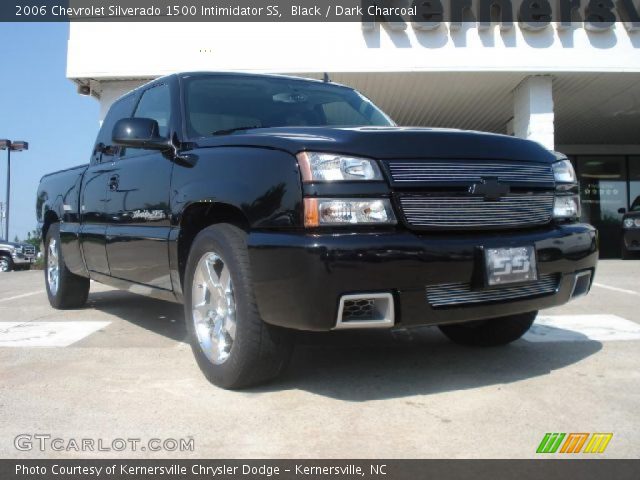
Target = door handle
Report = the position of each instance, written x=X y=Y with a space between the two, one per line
x=113 y=182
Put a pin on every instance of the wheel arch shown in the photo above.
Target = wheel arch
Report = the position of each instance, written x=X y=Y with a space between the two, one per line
x=198 y=216
x=50 y=217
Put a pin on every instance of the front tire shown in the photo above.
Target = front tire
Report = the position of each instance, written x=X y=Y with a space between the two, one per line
x=64 y=289
x=6 y=264
x=232 y=345
x=492 y=332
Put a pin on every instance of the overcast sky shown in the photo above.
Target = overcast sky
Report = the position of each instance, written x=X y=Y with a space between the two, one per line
x=40 y=105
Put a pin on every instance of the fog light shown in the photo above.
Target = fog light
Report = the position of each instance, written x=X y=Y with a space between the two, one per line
x=332 y=211
x=566 y=206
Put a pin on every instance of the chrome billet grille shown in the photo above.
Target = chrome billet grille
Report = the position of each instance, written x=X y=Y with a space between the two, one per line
x=467 y=211
x=456 y=294
x=439 y=171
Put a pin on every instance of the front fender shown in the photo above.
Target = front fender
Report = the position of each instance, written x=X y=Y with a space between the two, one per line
x=263 y=184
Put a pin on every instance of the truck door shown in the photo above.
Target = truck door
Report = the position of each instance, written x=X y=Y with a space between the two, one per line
x=138 y=212
x=93 y=191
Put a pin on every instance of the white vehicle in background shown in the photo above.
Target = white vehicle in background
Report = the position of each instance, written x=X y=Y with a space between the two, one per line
x=16 y=256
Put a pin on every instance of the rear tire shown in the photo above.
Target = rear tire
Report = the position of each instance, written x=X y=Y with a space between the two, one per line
x=6 y=264
x=64 y=289
x=232 y=345
x=490 y=333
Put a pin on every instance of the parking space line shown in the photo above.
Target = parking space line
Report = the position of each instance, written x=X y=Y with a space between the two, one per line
x=582 y=328
x=616 y=289
x=46 y=334
x=16 y=297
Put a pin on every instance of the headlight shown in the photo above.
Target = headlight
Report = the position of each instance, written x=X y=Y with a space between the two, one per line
x=566 y=206
x=320 y=212
x=631 y=223
x=563 y=172
x=331 y=167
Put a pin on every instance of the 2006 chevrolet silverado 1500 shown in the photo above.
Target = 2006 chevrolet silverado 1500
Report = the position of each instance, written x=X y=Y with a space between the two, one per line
x=268 y=204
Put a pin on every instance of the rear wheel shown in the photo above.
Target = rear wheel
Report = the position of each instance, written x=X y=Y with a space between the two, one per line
x=491 y=332
x=64 y=289
x=233 y=346
x=6 y=264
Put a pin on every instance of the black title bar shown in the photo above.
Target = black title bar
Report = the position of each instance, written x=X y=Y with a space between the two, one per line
x=552 y=469
x=425 y=14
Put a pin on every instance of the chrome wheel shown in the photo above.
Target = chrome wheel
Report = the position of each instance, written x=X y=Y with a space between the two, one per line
x=53 y=268
x=213 y=308
x=4 y=264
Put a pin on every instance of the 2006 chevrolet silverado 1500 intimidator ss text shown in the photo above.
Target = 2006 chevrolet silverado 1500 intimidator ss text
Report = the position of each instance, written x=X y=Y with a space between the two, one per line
x=268 y=204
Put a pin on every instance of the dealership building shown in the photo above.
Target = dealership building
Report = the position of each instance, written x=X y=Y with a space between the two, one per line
x=573 y=87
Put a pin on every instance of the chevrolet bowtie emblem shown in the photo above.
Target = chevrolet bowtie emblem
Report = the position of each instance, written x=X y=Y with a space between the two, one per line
x=490 y=188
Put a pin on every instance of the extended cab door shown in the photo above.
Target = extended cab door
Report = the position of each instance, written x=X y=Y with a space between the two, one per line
x=93 y=191
x=138 y=213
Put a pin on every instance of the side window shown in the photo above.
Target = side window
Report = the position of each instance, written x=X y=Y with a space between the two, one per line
x=155 y=104
x=104 y=150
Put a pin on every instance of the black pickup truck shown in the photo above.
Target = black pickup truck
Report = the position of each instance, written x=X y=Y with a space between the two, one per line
x=269 y=204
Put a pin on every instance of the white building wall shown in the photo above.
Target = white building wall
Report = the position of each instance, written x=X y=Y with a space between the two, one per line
x=533 y=110
x=130 y=50
x=116 y=57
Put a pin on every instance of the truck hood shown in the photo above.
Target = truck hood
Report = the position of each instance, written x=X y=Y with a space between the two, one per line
x=387 y=142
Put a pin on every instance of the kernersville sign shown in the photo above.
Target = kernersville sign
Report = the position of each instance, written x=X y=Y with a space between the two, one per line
x=597 y=15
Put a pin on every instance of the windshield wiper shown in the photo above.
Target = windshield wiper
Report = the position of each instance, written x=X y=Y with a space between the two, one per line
x=231 y=130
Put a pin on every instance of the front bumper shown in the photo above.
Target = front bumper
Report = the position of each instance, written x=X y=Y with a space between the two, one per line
x=23 y=259
x=631 y=238
x=298 y=278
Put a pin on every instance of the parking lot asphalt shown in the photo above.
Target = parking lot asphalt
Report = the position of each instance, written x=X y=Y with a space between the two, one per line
x=120 y=369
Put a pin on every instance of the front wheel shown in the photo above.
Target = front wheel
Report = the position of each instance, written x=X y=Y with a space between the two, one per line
x=492 y=332
x=233 y=346
x=64 y=289
x=6 y=264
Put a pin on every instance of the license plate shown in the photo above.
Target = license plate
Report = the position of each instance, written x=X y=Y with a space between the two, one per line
x=510 y=265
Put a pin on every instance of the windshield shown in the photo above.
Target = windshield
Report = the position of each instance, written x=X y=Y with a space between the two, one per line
x=222 y=103
x=635 y=206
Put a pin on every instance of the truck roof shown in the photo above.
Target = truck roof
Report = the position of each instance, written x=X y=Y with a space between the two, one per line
x=234 y=74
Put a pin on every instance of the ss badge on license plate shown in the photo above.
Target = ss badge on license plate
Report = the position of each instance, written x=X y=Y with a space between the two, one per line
x=510 y=265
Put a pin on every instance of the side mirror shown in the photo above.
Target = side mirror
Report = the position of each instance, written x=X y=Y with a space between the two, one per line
x=139 y=133
x=622 y=211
